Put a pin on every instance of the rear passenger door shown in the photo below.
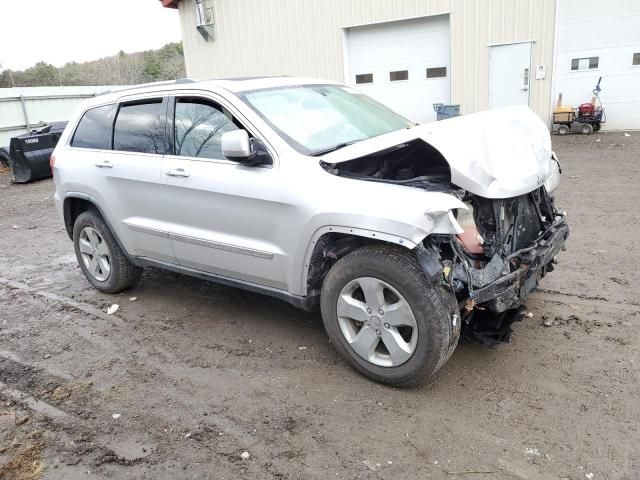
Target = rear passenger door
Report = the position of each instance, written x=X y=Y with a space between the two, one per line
x=128 y=182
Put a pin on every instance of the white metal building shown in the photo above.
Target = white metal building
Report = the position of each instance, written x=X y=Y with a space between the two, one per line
x=408 y=54
x=23 y=108
x=600 y=39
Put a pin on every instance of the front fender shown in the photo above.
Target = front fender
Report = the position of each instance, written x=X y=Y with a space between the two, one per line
x=407 y=227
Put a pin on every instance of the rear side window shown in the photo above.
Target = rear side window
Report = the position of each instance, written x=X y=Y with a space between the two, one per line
x=139 y=127
x=199 y=126
x=94 y=129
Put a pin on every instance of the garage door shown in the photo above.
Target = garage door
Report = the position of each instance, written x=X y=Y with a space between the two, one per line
x=613 y=54
x=404 y=64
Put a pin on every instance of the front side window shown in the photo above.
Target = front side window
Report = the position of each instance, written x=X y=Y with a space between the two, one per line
x=94 y=129
x=199 y=126
x=139 y=127
x=316 y=119
x=588 y=63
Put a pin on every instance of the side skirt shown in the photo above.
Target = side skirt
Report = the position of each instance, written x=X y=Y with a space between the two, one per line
x=309 y=304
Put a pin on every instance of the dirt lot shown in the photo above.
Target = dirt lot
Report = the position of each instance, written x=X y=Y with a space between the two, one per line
x=179 y=382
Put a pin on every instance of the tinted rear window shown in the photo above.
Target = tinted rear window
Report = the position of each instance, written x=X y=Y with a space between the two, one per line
x=139 y=127
x=94 y=129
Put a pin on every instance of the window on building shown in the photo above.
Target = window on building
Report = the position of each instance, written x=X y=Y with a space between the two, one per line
x=636 y=58
x=364 y=78
x=436 y=72
x=139 y=127
x=399 y=75
x=588 y=63
x=199 y=126
x=94 y=129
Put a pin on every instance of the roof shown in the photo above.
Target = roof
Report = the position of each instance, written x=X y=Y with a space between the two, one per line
x=234 y=85
x=170 y=3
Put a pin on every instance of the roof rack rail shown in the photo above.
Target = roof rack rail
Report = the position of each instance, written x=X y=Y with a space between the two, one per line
x=150 y=84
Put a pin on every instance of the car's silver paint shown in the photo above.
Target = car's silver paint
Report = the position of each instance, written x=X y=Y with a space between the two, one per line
x=217 y=212
x=235 y=144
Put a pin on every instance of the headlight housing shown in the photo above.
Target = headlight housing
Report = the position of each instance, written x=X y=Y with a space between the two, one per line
x=553 y=180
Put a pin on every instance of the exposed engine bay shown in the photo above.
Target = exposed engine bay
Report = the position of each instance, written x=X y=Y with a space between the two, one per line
x=398 y=165
x=505 y=247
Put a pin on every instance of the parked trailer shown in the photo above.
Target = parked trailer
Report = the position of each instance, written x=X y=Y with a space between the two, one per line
x=29 y=154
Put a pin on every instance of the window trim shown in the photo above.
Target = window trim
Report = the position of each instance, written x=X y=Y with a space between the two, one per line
x=224 y=103
x=446 y=72
x=137 y=101
x=399 y=71
x=77 y=124
x=584 y=69
x=364 y=75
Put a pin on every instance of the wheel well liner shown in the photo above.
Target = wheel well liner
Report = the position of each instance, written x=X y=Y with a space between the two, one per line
x=330 y=248
x=72 y=208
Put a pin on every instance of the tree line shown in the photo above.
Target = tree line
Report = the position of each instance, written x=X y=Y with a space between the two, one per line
x=166 y=63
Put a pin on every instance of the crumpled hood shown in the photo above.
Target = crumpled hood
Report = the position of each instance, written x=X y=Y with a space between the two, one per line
x=500 y=153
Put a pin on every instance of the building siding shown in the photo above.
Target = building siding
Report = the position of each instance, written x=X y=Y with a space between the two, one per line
x=612 y=34
x=305 y=38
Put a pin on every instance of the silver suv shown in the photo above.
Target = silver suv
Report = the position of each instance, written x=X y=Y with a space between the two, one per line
x=405 y=236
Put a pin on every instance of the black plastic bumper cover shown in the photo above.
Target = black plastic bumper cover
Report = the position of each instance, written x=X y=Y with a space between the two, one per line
x=535 y=262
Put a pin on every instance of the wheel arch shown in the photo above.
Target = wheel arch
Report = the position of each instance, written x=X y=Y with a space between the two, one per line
x=331 y=243
x=76 y=203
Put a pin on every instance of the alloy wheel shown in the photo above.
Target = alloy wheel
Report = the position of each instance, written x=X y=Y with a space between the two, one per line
x=95 y=254
x=377 y=322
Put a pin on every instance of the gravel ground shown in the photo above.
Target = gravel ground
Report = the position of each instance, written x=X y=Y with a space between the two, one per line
x=187 y=375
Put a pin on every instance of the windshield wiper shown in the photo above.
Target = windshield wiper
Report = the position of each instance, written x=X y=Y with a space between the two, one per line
x=334 y=148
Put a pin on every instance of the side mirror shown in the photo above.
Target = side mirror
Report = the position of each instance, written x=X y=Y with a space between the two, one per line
x=235 y=145
x=250 y=152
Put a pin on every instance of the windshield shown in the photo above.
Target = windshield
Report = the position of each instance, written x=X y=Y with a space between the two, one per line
x=317 y=119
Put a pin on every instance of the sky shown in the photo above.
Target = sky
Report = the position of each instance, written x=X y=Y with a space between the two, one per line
x=60 y=31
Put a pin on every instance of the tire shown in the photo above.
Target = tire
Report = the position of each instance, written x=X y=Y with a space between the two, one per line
x=586 y=129
x=121 y=274
x=563 y=130
x=4 y=158
x=597 y=126
x=434 y=310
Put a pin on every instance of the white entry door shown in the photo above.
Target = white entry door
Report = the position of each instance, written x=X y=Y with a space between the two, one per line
x=404 y=64
x=510 y=75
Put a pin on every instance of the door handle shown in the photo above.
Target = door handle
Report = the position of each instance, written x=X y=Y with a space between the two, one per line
x=104 y=164
x=177 y=172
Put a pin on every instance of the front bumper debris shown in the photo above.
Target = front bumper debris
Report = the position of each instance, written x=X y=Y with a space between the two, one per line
x=498 y=291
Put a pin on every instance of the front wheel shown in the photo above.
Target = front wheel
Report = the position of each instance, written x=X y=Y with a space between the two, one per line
x=100 y=257
x=387 y=321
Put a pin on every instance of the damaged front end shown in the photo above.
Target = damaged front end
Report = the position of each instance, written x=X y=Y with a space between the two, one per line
x=504 y=244
x=507 y=246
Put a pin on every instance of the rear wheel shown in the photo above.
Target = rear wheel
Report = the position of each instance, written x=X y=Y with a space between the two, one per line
x=387 y=321
x=100 y=257
x=596 y=127
x=586 y=129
